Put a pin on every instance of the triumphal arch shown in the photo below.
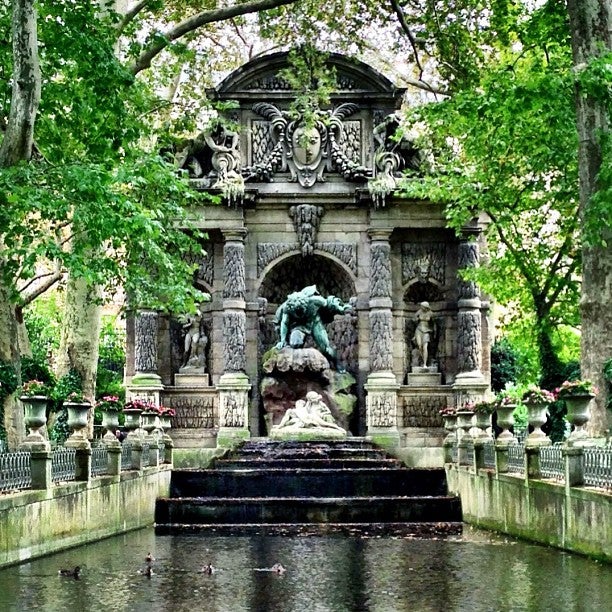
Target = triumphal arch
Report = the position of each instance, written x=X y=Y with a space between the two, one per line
x=316 y=201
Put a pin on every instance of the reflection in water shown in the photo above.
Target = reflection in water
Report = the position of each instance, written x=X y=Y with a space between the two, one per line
x=476 y=572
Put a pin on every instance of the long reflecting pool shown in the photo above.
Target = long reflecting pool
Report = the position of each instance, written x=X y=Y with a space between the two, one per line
x=477 y=571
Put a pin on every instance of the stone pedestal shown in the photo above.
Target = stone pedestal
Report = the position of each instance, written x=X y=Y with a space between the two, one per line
x=82 y=457
x=233 y=390
x=424 y=377
x=191 y=379
x=40 y=466
x=113 y=449
x=532 y=457
x=501 y=456
x=574 y=466
x=381 y=409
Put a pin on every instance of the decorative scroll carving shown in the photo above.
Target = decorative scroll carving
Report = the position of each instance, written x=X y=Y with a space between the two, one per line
x=269 y=251
x=233 y=410
x=346 y=253
x=381 y=349
x=468 y=341
x=192 y=412
x=233 y=271
x=234 y=341
x=145 y=342
x=423 y=262
x=468 y=257
x=306 y=219
x=423 y=410
x=382 y=409
x=380 y=270
x=306 y=151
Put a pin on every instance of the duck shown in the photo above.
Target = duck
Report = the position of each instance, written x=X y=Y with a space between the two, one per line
x=208 y=569
x=147 y=571
x=149 y=558
x=278 y=568
x=70 y=573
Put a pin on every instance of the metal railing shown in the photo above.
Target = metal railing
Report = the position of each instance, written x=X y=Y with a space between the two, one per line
x=15 y=472
x=552 y=464
x=63 y=464
x=598 y=467
x=516 y=458
x=126 y=456
x=489 y=454
x=99 y=460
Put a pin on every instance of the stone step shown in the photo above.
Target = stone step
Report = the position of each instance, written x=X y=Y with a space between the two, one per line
x=406 y=529
x=299 y=482
x=374 y=509
x=287 y=463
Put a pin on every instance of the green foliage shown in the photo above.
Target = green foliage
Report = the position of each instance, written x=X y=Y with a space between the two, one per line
x=35 y=368
x=42 y=320
x=111 y=362
x=67 y=384
x=504 y=365
x=8 y=384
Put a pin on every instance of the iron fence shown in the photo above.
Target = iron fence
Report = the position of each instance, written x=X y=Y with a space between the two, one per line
x=15 y=471
x=516 y=458
x=99 y=460
x=126 y=456
x=63 y=464
x=489 y=455
x=552 y=464
x=598 y=467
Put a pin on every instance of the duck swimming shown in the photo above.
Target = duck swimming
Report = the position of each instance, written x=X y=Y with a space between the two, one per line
x=208 y=569
x=149 y=558
x=278 y=568
x=70 y=573
x=147 y=571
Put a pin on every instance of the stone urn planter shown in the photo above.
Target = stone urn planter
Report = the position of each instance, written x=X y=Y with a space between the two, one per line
x=149 y=421
x=578 y=414
x=450 y=424
x=35 y=415
x=483 y=423
x=464 y=424
x=110 y=422
x=537 y=413
x=78 y=413
x=505 y=420
x=132 y=421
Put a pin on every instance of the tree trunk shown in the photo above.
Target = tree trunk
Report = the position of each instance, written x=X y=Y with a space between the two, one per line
x=591 y=30
x=19 y=135
x=79 y=344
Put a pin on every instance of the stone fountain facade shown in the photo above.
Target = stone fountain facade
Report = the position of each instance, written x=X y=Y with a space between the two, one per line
x=315 y=204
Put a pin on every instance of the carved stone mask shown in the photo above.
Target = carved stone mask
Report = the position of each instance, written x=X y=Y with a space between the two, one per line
x=306 y=145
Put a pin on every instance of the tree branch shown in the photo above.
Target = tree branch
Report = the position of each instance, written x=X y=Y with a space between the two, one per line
x=406 y=28
x=195 y=22
x=131 y=15
x=52 y=278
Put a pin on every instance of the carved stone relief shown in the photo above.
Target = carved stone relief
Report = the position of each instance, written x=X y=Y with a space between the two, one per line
x=468 y=258
x=306 y=151
x=233 y=409
x=469 y=341
x=380 y=270
x=261 y=141
x=346 y=253
x=351 y=144
x=233 y=271
x=306 y=219
x=145 y=342
x=382 y=410
x=234 y=341
x=192 y=412
x=423 y=262
x=381 y=341
x=423 y=410
x=269 y=251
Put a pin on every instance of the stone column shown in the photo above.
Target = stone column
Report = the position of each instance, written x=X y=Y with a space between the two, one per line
x=234 y=384
x=40 y=467
x=113 y=448
x=146 y=382
x=501 y=456
x=469 y=382
x=573 y=457
x=381 y=385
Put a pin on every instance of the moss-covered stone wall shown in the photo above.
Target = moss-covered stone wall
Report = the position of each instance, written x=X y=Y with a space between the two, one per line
x=36 y=523
x=576 y=519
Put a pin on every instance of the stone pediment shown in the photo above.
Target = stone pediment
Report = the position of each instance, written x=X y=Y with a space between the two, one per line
x=260 y=76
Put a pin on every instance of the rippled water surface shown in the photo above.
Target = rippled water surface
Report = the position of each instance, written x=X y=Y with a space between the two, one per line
x=475 y=572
